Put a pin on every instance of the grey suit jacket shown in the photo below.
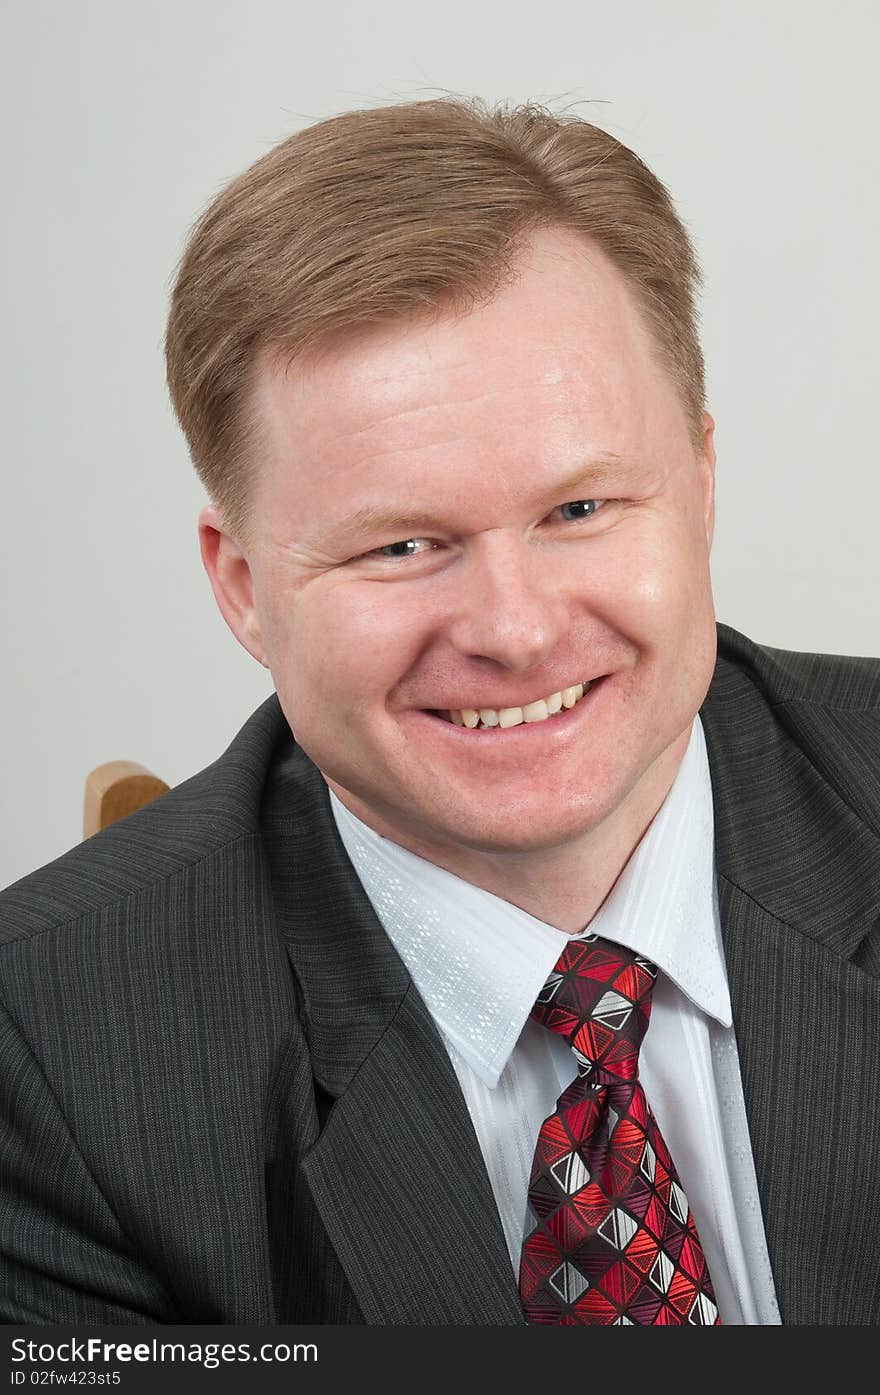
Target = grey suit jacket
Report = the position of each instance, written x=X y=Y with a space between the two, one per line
x=222 y=1099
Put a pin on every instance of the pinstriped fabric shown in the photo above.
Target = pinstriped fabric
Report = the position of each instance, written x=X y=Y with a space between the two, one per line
x=402 y=1189
x=814 y=1112
x=322 y=945
x=794 y=749
x=841 y=741
x=170 y=1023
x=842 y=681
x=205 y=814
x=212 y=1059
x=387 y=1171
x=61 y=1219
x=159 y=1047
x=792 y=824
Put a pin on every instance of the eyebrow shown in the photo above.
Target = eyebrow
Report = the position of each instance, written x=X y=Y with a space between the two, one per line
x=379 y=519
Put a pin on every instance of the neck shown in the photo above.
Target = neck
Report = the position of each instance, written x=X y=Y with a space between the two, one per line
x=565 y=885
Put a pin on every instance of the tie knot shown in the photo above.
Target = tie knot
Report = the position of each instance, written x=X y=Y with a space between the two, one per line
x=598 y=998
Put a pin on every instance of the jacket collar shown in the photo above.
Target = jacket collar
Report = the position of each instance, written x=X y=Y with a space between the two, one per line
x=794 y=830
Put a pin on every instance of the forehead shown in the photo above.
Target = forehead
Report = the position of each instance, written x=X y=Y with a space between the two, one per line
x=559 y=366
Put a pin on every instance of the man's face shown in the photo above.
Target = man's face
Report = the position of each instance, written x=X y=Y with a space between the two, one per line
x=480 y=513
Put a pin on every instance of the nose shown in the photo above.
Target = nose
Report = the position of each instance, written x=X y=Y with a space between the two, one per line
x=509 y=605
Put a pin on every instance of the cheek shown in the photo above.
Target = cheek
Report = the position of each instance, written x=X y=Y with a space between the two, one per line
x=645 y=579
x=348 y=643
x=670 y=607
x=667 y=589
x=652 y=595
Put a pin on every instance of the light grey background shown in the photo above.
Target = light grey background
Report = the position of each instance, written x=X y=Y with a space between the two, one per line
x=121 y=120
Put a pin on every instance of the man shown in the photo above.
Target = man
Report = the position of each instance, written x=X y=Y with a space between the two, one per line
x=518 y=961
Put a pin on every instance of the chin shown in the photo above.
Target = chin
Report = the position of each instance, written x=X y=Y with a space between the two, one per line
x=520 y=831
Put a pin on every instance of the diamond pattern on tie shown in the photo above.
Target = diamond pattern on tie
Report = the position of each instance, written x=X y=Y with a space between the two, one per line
x=610 y=1238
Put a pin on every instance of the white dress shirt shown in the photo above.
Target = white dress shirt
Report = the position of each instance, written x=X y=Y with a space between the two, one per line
x=480 y=962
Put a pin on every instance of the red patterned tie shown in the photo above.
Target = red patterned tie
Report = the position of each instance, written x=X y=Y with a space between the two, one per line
x=614 y=1242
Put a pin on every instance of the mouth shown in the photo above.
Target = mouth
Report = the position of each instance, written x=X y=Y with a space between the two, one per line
x=554 y=709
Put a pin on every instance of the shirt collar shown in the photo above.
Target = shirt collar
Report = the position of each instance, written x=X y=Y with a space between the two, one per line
x=480 y=962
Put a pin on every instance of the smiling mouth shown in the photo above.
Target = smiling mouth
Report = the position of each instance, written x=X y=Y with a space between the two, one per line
x=544 y=710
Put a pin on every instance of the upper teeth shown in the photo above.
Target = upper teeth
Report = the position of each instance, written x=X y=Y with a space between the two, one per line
x=513 y=716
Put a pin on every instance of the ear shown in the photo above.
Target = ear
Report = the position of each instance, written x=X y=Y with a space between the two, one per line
x=231 y=581
x=706 y=468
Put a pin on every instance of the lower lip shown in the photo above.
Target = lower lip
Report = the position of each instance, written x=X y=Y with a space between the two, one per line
x=556 y=727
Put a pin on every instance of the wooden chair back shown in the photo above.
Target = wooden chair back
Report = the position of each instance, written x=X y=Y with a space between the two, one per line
x=116 y=789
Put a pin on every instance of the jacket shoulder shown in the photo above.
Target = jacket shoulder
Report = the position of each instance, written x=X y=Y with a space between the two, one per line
x=193 y=821
x=795 y=741
x=843 y=681
x=823 y=709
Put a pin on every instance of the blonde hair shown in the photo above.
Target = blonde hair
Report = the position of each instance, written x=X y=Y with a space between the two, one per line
x=402 y=211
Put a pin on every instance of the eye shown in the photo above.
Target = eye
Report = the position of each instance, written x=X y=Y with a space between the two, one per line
x=573 y=511
x=581 y=508
x=407 y=547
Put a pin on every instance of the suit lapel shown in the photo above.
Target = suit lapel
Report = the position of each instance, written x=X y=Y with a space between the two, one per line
x=396 y=1174
x=402 y=1189
x=808 y=1035
x=799 y=889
